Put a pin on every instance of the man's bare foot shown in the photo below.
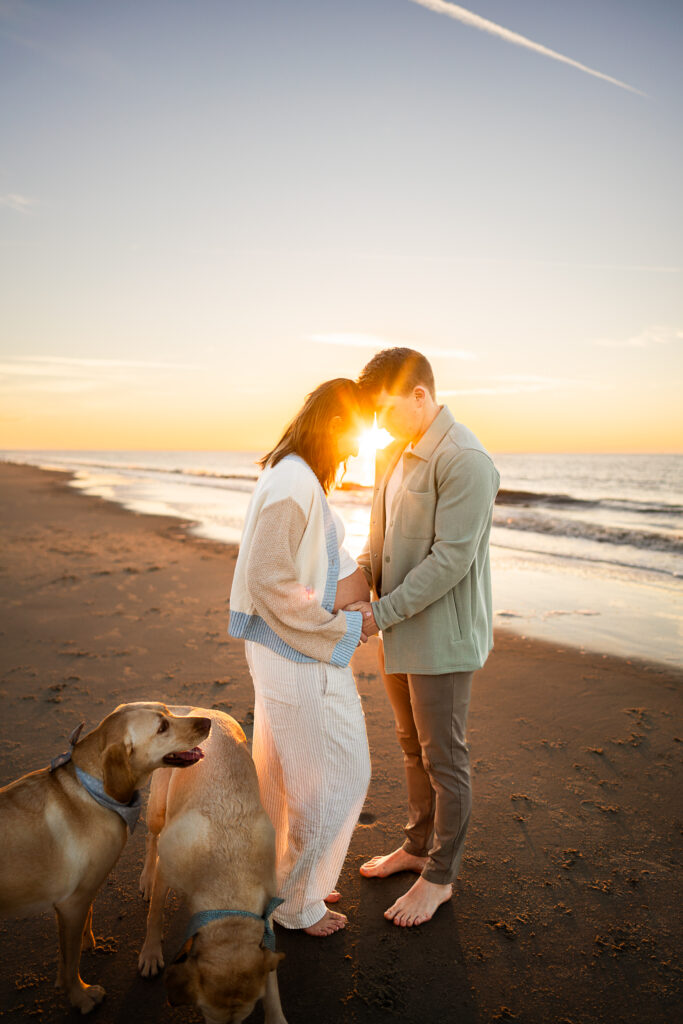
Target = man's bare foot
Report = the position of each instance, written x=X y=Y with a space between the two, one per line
x=334 y=897
x=390 y=863
x=330 y=922
x=419 y=904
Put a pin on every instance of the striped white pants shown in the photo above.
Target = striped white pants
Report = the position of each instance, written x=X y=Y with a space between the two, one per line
x=311 y=754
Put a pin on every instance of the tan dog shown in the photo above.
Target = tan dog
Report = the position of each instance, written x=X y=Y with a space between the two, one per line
x=210 y=838
x=59 y=841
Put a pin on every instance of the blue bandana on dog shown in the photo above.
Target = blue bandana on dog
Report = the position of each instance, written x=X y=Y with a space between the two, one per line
x=130 y=812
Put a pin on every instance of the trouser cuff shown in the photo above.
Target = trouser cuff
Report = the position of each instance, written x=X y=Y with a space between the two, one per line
x=414 y=850
x=437 y=875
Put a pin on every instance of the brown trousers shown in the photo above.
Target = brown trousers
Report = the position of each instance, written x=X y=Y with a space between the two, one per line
x=431 y=723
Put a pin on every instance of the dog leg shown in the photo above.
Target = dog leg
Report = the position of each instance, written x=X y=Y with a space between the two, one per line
x=71 y=918
x=272 y=1008
x=151 y=959
x=88 y=941
x=156 y=817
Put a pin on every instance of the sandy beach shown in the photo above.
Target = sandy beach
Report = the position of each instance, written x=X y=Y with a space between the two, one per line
x=566 y=909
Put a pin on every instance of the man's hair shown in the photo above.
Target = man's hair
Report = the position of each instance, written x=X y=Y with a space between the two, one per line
x=398 y=371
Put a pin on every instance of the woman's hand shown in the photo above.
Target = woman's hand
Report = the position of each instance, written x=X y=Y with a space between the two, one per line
x=370 y=627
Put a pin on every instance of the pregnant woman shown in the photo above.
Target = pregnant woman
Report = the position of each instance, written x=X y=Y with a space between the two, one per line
x=292 y=580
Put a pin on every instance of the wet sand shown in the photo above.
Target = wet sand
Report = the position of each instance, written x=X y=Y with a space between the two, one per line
x=566 y=909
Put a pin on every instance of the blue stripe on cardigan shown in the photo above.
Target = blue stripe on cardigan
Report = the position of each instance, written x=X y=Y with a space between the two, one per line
x=253 y=627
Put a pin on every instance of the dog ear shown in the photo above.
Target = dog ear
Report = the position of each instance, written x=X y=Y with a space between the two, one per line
x=184 y=951
x=178 y=982
x=118 y=779
x=271 y=959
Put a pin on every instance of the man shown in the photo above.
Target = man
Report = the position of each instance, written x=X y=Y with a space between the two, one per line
x=427 y=561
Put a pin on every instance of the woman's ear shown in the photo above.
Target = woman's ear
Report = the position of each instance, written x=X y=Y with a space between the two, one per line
x=117 y=776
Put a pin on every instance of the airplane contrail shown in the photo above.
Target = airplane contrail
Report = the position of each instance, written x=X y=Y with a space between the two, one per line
x=475 y=21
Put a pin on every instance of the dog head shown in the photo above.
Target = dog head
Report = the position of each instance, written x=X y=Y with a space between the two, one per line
x=134 y=740
x=222 y=972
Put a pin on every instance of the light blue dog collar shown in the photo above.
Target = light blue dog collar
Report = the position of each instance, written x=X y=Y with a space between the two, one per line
x=204 y=917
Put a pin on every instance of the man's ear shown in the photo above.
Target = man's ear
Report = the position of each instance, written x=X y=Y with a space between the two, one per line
x=118 y=779
x=271 y=959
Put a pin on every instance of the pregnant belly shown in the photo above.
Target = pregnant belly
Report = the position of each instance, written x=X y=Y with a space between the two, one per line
x=351 y=588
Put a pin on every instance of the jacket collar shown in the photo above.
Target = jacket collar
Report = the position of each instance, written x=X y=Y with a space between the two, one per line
x=437 y=430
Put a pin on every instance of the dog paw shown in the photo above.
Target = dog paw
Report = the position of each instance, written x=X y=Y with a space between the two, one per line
x=150 y=962
x=145 y=887
x=87 y=998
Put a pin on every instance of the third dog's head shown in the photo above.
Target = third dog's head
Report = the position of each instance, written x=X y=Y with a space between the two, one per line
x=222 y=971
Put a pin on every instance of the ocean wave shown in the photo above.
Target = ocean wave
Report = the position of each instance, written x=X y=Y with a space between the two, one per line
x=570 y=557
x=550 y=499
x=110 y=465
x=651 y=540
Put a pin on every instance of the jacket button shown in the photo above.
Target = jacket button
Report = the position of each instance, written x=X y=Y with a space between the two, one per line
x=387 y=558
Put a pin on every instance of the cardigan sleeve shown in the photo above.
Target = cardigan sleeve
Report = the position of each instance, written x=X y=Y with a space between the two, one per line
x=292 y=610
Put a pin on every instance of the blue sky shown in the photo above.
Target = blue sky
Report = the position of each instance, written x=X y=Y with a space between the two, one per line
x=206 y=208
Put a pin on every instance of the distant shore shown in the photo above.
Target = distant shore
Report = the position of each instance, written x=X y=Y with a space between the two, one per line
x=567 y=903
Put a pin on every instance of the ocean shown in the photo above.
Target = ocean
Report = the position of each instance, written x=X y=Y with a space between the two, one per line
x=586 y=549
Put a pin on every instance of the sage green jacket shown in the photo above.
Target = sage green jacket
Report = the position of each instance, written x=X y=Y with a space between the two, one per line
x=432 y=573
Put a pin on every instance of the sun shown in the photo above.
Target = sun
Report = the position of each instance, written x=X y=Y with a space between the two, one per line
x=361 y=469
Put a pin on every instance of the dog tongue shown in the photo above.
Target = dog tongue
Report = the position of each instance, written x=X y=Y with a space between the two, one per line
x=186 y=756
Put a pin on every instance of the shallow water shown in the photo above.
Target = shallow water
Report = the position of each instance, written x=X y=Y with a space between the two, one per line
x=586 y=549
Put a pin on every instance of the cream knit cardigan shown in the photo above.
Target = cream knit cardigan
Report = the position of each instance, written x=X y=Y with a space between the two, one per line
x=286 y=574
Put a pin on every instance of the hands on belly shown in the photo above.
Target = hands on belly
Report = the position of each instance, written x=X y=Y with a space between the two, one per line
x=351 y=589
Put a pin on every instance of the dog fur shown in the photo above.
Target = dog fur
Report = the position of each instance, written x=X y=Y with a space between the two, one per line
x=59 y=844
x=210 y=839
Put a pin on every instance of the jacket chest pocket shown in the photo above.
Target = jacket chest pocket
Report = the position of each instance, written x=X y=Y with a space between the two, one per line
x=417 y=513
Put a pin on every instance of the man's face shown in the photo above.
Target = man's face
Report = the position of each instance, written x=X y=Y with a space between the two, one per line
x=401 y=415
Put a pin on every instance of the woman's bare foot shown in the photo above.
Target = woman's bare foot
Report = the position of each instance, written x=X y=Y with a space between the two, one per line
x=334 y=897
x=390 y=863
x=330 y=922
x=419 y=904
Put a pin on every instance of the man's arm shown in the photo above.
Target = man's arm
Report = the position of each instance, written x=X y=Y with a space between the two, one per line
x=466 y=490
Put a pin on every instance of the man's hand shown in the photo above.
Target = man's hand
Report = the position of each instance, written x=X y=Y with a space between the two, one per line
x=370 y=627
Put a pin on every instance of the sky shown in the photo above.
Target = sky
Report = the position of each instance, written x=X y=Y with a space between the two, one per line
x=207 y=208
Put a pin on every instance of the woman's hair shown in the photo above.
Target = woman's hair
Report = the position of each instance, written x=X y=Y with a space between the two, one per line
x=308 y=434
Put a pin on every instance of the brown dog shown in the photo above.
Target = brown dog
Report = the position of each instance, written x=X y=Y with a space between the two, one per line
x=210 y=838
x=64 y=827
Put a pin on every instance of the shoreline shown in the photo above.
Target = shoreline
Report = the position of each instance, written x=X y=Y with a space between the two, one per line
x=574 y=605
x=566 y=904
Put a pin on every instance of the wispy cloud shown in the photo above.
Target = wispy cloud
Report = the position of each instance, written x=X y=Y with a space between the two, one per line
x=19 y=203
x=63 y=375
x=375 y=341
x=646 y=339
x=110 y=363
x=475 y=21
x=521 y=384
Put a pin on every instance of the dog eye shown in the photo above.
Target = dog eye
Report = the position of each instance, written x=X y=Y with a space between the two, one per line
x=163 y=727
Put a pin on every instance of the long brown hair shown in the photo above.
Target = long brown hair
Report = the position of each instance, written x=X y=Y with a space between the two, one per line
x=308 y=434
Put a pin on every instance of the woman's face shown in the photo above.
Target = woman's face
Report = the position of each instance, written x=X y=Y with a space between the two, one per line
x=347 y=435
